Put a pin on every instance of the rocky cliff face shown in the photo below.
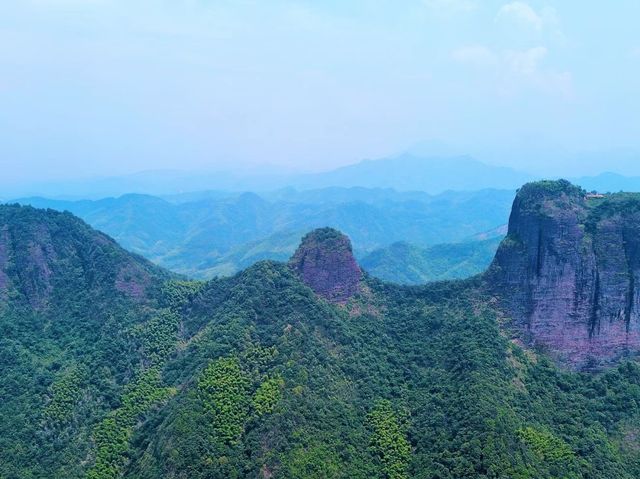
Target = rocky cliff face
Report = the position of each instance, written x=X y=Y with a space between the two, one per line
x=569 y=272
x=324 y=261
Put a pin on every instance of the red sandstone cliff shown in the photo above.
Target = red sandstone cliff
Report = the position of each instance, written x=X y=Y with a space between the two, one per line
x=324 y=261
x=568 y=272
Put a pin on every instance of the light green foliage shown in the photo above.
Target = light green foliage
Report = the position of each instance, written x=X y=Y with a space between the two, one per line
x=389 y=441
x=268 y=395
x=177 y=293
x=224 y=390
x=316 y=461
x=65 y=393
x=159 y=336
x=546 y=445
x=112 y=435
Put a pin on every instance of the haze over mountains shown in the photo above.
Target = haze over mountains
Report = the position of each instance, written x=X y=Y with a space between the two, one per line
x=420 y=202
x=219 y=234
x=406 y=172
x=406 y=263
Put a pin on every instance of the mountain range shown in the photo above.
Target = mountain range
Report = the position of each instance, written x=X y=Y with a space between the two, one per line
x=217 y=234
x=113 y=367
x=406 y=172
x=433 y=173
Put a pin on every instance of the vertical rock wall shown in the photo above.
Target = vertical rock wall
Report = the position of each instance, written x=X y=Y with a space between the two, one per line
x=324 y=261
x=568 y=272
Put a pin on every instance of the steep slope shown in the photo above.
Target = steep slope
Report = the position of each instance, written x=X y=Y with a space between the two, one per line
x=43 y=253
x=324 y=261
x=69 y=300
x=144 y=224
x=395 y=382
x=568 y=271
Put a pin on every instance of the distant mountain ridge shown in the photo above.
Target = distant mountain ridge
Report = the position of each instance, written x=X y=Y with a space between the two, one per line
x=407 y=172
x=220 y=234
x=433 y=173
x=413 y=173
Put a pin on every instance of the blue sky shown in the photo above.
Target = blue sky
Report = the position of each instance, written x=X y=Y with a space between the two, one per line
x=102 y=87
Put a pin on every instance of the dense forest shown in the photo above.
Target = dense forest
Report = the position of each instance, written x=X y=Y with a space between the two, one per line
x=112 y=367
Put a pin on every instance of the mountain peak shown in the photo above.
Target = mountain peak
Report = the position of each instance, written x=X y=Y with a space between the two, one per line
x=44 y=253
x=325 y=262
x=568 y=271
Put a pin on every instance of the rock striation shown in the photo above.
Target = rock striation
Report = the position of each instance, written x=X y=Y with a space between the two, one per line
x=568 y=272
x=324 y=261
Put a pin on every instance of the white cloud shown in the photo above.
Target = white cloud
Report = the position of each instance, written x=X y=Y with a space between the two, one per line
x=525 y=62
x=519 y=62
x=475 y=55
x=522 y=13
x=555 y=82
x=517 y=68
x=451 y=6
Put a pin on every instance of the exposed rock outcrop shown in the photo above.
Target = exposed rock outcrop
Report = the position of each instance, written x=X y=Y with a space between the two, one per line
x=568 y=272
x=324 y=261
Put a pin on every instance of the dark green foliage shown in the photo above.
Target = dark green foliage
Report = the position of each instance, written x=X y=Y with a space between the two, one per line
x=255 y=376
x=550 y=188
x=68 y=298
x=610 y=206
x=159 y=336
x=112 y=435
x=325 y=236
x=177 y=293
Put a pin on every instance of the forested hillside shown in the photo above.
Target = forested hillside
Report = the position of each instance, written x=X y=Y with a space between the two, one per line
x=405 y=263
x=73 y=306
x=120 y=370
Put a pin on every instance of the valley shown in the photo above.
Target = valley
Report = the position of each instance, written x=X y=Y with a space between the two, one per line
x=217 y=234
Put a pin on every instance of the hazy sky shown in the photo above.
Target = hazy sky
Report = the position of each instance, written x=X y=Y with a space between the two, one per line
x=99 y=87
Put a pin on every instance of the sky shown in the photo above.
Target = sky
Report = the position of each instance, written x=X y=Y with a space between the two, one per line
x=110 y=87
